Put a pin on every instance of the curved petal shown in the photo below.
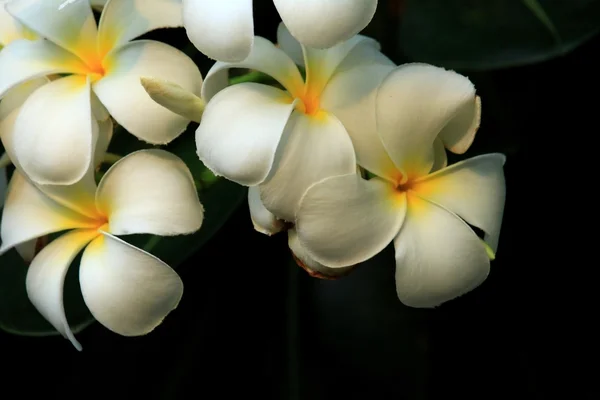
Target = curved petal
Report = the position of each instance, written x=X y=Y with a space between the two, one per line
x=241 y=129
x=438 y=257
x=440 y=157
x=311 y=22
x=53 y=133
x=98 y=4
x=312 y=267
x=415 y=102
x=262 y=219
x=3 y=185
x=289 y=44
x=127 y=290
x=11 y=29
x=350 y=95
x=24 y=60
x=150 y=191
x=29 y=214
x=459 y=133
x=15 y=97
x=264 y=57
x=315 y=148
x=125 y=98
x=346 y=220
x=474 y=189
x=222 y=30
x=173 y=97
x=124 y=20
x=69 y=24
x=46 y=278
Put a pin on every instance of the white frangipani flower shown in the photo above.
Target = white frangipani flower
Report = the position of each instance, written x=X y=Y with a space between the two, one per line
x=346 y=220
x=286 y=140
x=224 y=30
x=54 y=137
x=126 y=289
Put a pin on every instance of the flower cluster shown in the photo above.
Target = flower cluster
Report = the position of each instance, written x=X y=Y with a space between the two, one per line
x=344 y=150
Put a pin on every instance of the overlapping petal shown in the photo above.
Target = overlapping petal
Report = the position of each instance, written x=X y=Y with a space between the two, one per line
x=122 y=94
x=322 y=24
x=71 y=25
x=263 y=220
x=223 y=30
x=241 y=129
x=150 y=191
x=289 y=44
x=264 y=57
x=10 y=28
x=414 y=104
x=310 y=265
x=124 y=20
x=23 y=60
x=346 y=220
x=3 y=178
x=438 y=257
x=53 y=132
x=46 y=278
x=474 y=189
x=126 y=289
x=314 y=148
x=29 y=214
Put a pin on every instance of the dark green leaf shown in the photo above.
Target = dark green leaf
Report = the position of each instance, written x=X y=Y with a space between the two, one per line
x=490 y=34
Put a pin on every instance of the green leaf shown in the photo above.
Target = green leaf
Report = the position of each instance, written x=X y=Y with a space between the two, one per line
x=218 y=196
x=491 y=34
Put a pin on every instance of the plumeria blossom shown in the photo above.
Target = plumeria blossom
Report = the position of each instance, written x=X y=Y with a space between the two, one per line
x=54 y=133
x=285 y=140
x=127 y=290
x=224 y=30
x=418 y=203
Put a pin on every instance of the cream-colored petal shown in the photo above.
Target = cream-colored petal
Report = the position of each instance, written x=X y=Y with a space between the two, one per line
x=289 y=44
x=46 y=278
x=415 y=103
x=474 y=189
x=150 y=191
x=10 y=28
x=127 y=290
x=241 y=129
x=3 y=183
x=24 y=60
x=263 y=220
x=264 y=57
x=175 y=98
x=310 y=265
x=323 y=24
x=125 y=98
x=438 y=257
x=124 y=20
x=29 y=214
x=314 y=148
x=345 y=220
x=67 y=23
x=222 y=30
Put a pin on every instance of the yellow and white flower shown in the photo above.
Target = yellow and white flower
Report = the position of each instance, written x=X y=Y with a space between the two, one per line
x=415 y=201
x=126 y=289
x=54 y=136
x=224 y=30
x=286 y=140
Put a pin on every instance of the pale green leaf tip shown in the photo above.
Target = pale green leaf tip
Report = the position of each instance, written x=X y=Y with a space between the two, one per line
x=490 y=253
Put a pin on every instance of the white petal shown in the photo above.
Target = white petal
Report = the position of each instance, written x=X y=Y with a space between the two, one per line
x=15 y=97
x=3 y=185
x=124 y=20
x=313 y=267
x=350 y=95
x=262 y=219
x=29 y=214
x=346 y=220
x=459 y=133
x=69 y=24
x=264 y=57
x=315 y=148
x=122 y=94
x=440 y=157
x=240 y=130
x=46 y=278
x=414 y=104
x=10 y=28
x=321 y=24
x=173 y=97
x=222 y=30
x=23 y=60
x=474 y=189
x=105 y=132
x=289 y=44
x=127 y=290
x=438 y=257
x=27 y=250
x=53 y=133
x=150 y=191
